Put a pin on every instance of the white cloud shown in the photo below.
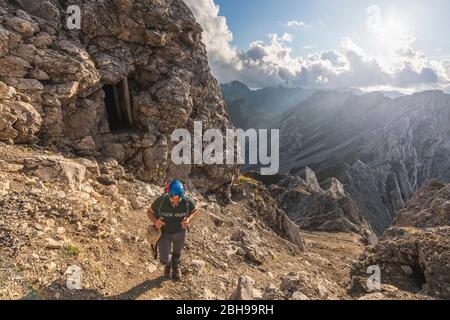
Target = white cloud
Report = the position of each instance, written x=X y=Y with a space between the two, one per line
x=271 y=62
x=217 y=35
x=335 y=58
x=287 y=37
x=446 y=68
x=297 y=24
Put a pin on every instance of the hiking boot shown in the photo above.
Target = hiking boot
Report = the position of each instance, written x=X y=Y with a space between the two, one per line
x=176 y=274
x=167 y=271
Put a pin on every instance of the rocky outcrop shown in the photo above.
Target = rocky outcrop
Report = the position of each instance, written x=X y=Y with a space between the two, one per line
x=293 y=285
x=244 y=290
x=19 y=121
x=56 y=169
x=414 y=254
x=54 y=82
x=249 y=245
x=258 y=199
x=381 y=149
x=314 y=208
x=428 y=208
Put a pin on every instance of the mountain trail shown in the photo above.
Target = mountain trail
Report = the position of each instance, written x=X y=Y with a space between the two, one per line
x=50 y=228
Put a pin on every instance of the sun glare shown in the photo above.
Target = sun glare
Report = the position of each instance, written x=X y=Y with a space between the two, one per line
x=392 y=35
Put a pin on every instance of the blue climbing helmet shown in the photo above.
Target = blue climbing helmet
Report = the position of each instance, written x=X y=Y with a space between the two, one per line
x=176 y=188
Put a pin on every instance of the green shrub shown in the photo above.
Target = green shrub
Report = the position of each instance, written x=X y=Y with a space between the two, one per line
x=72 y=250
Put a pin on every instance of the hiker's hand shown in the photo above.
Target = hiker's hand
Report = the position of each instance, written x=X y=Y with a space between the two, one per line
x=185 y=222
x=159 y=224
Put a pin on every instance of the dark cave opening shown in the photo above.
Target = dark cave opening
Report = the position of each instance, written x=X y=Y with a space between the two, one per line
x=419 y=277
x=118 y=106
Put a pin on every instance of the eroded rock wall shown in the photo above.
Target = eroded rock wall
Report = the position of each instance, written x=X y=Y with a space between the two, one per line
x=52 y=78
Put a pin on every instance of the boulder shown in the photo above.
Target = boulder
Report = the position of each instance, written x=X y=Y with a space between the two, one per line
x=272 y=292
x=86 y=146
x=251 y=245
x=298 y=284
x=54 y=168
x=309 y=176
x=6 y=92
x=245 y=290
x=19 y=121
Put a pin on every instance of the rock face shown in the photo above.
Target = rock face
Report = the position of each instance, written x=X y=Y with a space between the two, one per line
x=414 y=254
x=428 y=208
x=313 y=208
x=56 y=85
x=255 y=196
x=381 y=149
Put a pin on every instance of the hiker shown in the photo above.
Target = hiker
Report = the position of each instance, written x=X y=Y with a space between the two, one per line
x=172 y=213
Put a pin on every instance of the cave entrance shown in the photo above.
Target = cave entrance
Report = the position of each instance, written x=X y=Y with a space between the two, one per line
x=118 y=105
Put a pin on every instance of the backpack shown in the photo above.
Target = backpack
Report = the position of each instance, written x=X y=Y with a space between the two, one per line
x=166 y=189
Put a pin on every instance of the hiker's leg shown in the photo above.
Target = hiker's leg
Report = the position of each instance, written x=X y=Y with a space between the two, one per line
x=164 y=246
x=179 y=239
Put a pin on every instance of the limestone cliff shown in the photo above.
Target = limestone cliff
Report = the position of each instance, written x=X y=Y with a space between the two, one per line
x=117 y=87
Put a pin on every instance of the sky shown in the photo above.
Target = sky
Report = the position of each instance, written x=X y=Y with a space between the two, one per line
x=371 y=45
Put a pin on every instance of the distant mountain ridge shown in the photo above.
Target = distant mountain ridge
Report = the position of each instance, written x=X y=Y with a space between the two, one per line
x=381 y=149
x=255 y=108
x=252 y=108
x=272 y=100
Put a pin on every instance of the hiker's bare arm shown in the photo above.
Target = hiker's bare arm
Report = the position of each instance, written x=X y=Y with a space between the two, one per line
x=151 y=215
x=157 y=222
x=189 y=218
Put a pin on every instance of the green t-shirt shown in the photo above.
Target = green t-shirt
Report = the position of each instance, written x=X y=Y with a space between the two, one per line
x=172 y=216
